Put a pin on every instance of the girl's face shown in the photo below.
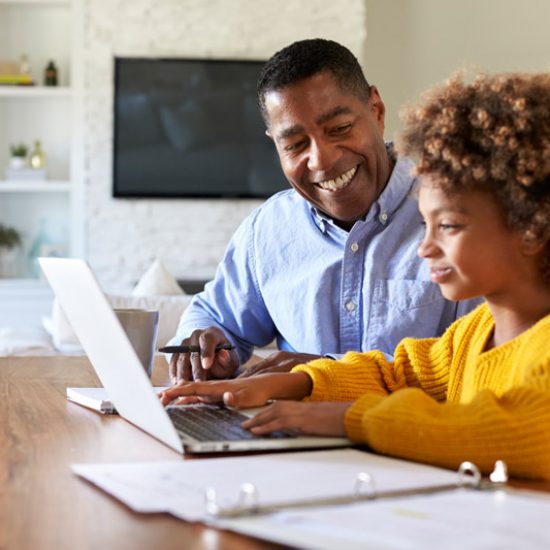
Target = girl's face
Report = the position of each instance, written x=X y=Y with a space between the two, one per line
x=469 y=249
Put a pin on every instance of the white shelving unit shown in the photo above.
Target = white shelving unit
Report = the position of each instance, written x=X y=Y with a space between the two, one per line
x=43 y=30
x=35 y=186
x=35 y=91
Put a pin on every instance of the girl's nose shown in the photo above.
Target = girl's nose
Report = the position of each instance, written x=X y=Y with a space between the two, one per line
x=427 y=248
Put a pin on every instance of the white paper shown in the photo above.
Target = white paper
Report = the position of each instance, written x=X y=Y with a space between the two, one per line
x=454 y=520
x=178 y=487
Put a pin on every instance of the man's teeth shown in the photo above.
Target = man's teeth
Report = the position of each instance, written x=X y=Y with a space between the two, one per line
x=340 y=182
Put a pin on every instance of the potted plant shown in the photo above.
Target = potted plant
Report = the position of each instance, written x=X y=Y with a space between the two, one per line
x=18 y=158
x=9 y=240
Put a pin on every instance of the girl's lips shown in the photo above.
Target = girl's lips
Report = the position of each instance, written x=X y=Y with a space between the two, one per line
x=439 y=274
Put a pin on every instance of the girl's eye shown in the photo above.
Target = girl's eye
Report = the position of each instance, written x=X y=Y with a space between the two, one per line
x=448 y=226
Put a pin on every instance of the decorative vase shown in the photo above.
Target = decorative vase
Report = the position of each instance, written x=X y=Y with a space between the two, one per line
x=8 y=261
x=17 y=163
x=37 y=158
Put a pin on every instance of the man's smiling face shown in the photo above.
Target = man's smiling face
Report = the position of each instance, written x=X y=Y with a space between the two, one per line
x=330 y=145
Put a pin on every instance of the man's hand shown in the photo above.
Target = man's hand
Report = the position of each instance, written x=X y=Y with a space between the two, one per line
x=206 y=364
x=323 y=418
x=240 y=393
x=280 y=361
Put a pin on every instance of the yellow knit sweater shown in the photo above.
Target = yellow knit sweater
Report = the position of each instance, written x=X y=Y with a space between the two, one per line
x=444 y=400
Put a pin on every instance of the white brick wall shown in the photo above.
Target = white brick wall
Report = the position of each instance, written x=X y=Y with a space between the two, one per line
x=124 y=236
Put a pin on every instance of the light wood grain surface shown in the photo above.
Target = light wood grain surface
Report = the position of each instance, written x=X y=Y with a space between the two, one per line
x=42 y=504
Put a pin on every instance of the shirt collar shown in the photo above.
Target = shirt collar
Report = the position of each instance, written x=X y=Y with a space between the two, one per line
x=399 y=186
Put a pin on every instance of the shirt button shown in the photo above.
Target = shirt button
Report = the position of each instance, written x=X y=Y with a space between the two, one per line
x=354 y=247
x=350 y=306
x=384 y=217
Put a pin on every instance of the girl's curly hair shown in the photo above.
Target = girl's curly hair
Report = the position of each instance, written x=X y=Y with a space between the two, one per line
x=492 y=135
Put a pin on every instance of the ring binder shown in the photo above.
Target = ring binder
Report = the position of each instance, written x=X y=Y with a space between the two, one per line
x=248 y=500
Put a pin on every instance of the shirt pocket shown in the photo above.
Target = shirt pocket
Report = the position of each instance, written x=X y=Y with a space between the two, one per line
x=404 y=308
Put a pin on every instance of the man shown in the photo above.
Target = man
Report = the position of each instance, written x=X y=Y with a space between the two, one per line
x=330 y=265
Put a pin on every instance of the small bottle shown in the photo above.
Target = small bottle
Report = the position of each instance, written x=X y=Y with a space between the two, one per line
x=24 y=66
x=38 y=248
x=37 y=160
x=50 y=74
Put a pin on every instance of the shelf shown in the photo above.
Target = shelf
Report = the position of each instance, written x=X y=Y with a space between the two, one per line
x=35 y=91
x=43 y=30
x=50 y=186
x=36 y=2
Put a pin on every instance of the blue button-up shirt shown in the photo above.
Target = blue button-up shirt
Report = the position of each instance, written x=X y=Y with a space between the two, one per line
x=291 y=274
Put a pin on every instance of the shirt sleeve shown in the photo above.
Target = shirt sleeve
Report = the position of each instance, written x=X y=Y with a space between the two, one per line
x=232 y=301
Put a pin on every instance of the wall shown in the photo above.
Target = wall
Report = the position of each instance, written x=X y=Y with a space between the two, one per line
x=413 y=44
x=189 y=236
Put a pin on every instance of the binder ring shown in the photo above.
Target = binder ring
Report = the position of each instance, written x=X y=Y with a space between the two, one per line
x=249 y=496
x=210 y=501
x=500 y=473
x=469 y=475
x=364 y=486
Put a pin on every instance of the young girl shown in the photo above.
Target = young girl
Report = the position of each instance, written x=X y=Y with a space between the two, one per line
x=481 y=392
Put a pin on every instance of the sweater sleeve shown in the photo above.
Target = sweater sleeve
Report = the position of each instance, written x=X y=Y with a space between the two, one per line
x=410 y=424
x=359 y=373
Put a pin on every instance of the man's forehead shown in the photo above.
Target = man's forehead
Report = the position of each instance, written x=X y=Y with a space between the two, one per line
x=322 y=88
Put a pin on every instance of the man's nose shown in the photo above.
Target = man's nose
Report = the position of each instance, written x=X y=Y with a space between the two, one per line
x=322 y=156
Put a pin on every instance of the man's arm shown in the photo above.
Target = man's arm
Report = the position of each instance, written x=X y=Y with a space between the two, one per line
x=229 y=310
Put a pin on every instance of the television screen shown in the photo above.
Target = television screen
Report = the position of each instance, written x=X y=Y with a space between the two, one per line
x=191 y=128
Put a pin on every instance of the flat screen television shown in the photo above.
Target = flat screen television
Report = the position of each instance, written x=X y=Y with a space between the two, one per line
x=191 y=128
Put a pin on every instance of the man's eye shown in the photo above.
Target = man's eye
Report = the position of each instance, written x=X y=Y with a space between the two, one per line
x=342 y=129
x=293 y=147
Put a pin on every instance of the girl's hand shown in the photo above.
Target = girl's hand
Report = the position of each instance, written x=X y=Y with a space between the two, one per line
x=323 y=418
x=241 y=392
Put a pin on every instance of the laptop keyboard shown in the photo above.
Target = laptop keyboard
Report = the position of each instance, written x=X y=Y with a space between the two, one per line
x=214 y=423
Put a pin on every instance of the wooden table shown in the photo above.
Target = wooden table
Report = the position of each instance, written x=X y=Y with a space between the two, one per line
x=42 y=504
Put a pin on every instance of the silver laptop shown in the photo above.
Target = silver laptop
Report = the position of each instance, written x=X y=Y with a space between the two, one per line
x=194 y=429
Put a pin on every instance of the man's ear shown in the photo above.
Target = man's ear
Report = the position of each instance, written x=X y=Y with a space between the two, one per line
x=268 y=134
x=377 y=108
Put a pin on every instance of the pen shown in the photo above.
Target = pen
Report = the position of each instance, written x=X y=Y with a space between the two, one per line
x=187 y=349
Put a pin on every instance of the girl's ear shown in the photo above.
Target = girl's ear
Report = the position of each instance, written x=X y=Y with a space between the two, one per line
x=531 y=245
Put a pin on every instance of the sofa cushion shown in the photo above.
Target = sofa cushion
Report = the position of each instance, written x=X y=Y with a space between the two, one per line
x=25 y=341
x=170 y=309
